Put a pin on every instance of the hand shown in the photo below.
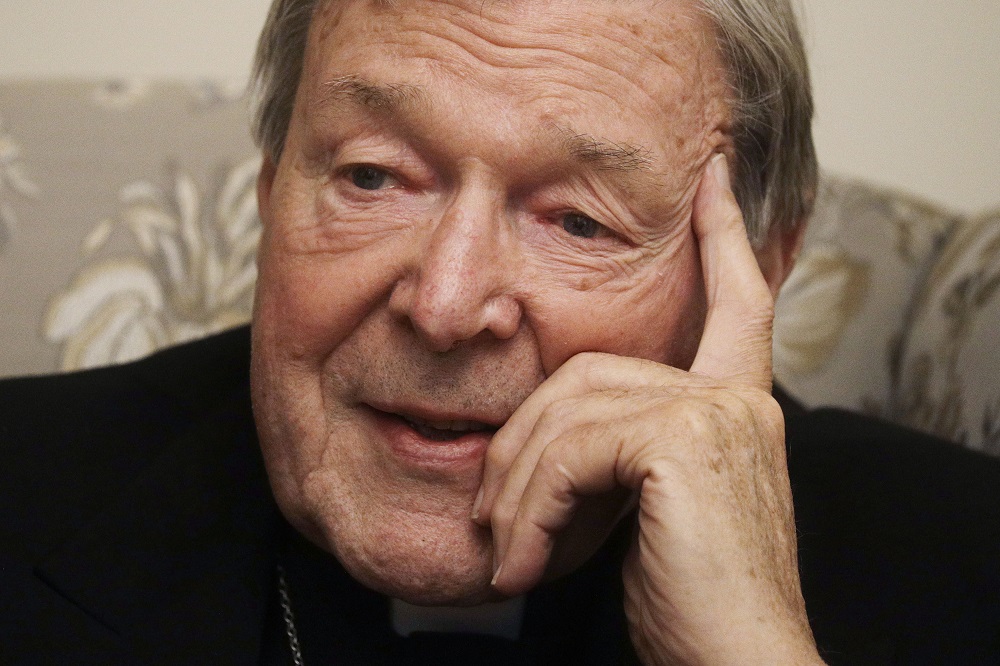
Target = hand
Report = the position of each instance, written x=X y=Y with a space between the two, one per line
x=712 y=575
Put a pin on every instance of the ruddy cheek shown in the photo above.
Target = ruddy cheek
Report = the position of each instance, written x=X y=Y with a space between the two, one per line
x=658 y=318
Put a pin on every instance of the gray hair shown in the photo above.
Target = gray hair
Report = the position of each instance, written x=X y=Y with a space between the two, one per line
x=775 y=171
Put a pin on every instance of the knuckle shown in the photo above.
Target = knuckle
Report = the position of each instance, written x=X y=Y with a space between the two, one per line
x=747 y=404
x=740 y=404
x=758 y=310
x=591 y=369
x=650 y=367
x=551 y=462
x=577 y=363
x=581 y=367
x=732 y=217
x=758 y=400
x=723 y=428
x=557 y=414
x=504 y=511
x=716 y=412
x=698 y=417
x=765 y=305
x=498 y=457
x=768 y=412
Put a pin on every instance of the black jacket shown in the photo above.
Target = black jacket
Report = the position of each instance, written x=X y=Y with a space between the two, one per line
x=137 y=527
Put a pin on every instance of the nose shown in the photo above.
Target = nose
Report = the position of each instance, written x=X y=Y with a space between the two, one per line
x=460 y=283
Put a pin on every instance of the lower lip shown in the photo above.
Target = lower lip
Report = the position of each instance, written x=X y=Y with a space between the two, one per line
x=410 y=445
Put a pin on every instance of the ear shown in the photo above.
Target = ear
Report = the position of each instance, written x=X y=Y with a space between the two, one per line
x=265 y=184
x=777 y=255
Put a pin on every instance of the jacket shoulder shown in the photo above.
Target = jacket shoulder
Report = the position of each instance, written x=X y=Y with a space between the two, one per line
x=68 y=441
x=899 y=541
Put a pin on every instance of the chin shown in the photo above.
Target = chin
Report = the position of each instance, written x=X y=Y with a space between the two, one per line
x=422 y=550
x=420 y=561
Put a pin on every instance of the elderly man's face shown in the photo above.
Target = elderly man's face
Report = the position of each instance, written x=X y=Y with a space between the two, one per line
x=469 y=195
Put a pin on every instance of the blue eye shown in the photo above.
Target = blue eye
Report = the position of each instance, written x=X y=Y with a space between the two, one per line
x=581 y=226
x=368 y=177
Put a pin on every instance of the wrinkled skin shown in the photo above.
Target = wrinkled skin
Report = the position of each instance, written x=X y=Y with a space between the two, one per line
x=508 y=216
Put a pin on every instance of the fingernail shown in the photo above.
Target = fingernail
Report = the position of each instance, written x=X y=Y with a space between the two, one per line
x=496 y=575
x=478 y=503
x=720 y=165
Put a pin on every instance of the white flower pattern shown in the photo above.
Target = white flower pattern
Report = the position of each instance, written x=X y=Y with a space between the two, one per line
x=195 y=274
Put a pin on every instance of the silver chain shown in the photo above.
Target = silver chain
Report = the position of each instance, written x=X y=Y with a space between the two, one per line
x=286 y=613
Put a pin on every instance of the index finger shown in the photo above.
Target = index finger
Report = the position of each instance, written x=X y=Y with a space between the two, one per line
x=736 y=344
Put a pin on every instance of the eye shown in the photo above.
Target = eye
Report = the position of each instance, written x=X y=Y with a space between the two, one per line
x=577 y=224
x=367 y=177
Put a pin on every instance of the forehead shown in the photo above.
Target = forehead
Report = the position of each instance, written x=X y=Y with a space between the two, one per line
x=594 y=24
x=590 y=60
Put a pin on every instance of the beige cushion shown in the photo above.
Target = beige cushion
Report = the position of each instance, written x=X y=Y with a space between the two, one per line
x=129 y=219
x=949 y=378
x=842 y=312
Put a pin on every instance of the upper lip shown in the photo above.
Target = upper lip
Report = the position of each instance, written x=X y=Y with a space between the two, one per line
x=442 y=419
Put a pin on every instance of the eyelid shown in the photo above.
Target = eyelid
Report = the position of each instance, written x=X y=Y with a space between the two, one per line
x=400 y=161
x=367 y=149
x=559 y=197
x=604 y=230
x=396 y=180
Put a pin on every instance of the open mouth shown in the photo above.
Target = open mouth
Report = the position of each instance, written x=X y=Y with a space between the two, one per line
x=443 y=431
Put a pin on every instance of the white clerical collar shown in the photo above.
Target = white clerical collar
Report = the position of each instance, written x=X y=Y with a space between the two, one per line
x=500 y=619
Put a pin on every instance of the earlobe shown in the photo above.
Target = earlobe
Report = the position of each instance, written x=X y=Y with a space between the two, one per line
x=265 y=184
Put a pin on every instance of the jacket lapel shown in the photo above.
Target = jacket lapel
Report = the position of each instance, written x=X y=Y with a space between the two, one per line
x=180 y=564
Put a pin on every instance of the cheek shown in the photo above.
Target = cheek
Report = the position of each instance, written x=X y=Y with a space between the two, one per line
x=308 y=303
x=323 y=264
x=659 y=315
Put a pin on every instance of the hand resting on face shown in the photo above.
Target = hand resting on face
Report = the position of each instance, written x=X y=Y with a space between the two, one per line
x=711 y=575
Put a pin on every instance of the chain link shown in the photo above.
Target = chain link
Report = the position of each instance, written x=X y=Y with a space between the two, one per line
x=286 y=612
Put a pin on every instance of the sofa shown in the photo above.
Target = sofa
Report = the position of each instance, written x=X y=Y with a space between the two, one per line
x=128 y=223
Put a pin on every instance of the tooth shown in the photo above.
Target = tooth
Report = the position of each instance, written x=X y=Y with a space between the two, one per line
x=455 y=426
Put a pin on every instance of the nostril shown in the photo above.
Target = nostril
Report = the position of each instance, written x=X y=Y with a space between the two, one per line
x=442 y=316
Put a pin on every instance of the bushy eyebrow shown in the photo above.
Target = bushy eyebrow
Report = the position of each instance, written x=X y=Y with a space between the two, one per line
x=395 y=98
x=387 y=98
x=604 y=155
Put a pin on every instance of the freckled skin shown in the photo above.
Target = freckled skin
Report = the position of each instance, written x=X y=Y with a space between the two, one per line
x=456 y=286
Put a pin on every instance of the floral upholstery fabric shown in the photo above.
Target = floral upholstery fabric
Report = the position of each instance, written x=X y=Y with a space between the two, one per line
x=893 y=310
x=954 y=335
x=844 y=310
x=128 y=223
x=129 y=219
